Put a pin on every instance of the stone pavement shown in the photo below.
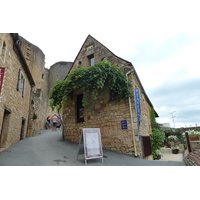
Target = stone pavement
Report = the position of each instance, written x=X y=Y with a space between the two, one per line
x=167 y=155
x=48 y=149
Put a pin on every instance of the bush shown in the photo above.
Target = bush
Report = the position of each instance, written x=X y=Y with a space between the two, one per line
x=157 y=138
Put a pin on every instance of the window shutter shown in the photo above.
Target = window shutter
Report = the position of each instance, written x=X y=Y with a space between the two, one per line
x=19 y=79
x=24 y=88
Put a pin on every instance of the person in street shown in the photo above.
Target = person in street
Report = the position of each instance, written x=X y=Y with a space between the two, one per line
x=59 y=125
x=48 y=122
x=55 y=121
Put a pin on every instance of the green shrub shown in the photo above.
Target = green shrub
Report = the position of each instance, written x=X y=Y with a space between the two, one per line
x=157 y=136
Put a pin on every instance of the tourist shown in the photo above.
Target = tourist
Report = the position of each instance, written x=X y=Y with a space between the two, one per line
x=48 y=122
x=59 y=125
x=55 y=121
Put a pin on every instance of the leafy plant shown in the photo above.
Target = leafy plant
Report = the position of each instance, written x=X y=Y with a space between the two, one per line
x=175 y=147
x=103 y=76
x=193 y=133
x=158 y=152
x=172 y=137
x=157 y=136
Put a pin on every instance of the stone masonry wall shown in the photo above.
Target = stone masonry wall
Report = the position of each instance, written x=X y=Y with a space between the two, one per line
x=12 y=99
x=107 y=117
x=58 y=71
x=35 y=59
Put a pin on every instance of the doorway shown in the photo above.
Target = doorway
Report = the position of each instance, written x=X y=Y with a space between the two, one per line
x=5 y=127
x=22 y=135
x=146 y=141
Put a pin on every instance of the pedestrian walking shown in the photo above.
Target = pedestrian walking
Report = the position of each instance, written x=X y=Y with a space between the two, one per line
x=55 y=121
x=48 y=122
x=59 y=125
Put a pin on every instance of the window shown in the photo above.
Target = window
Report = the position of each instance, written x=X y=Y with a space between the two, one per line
x=79 y=64
x=112 y=95
x=21 y=84
x=80 y=109
x=3 y=52
x=91 y=60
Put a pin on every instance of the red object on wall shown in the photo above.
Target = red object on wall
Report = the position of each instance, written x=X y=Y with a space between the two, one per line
x=2 y=71
x=193 y=138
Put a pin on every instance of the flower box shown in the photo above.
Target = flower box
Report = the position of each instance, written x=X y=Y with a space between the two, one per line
x=193 y=138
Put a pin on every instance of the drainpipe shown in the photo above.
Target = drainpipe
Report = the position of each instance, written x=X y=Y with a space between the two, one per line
x=131 y=114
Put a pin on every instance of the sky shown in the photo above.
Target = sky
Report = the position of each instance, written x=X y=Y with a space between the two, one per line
x=160 y=38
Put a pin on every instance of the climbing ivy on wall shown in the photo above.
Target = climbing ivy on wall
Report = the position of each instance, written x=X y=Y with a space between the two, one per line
x=103 y=76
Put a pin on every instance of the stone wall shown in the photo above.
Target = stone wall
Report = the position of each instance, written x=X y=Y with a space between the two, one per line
x=105 y=115
x=35 y=59
x=14 y=107
x=58 y=71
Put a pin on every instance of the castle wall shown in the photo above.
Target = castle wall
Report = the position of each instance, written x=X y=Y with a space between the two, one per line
x=35 y=59
x=58 y=71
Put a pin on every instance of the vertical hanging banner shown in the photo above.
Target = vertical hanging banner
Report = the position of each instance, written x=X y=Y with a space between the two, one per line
x=2 y=75
x=138 y=107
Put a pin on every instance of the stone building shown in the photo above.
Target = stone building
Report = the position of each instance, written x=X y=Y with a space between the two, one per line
x=25 y=86
x=121 y=128
x=16 y=87
x=39 y=104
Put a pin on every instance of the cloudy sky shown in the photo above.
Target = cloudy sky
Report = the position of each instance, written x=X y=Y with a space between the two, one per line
x=160 y=38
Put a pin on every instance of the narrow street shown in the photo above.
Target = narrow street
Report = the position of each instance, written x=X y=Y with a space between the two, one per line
x=48 y=149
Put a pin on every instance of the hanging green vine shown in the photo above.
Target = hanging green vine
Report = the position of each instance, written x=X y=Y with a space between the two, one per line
x=103 y=76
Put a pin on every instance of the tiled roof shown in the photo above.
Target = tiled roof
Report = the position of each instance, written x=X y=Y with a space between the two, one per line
x=193 y=158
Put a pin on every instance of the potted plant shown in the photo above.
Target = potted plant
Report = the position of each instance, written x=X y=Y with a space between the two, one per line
x=175 y=149
x=158 y=153
x=172 y=137
x=171 y=140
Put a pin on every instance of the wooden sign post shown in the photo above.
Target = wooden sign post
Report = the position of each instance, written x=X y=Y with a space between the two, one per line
x=90 y=144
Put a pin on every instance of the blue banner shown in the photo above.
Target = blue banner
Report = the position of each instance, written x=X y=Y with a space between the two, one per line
x=137 y=103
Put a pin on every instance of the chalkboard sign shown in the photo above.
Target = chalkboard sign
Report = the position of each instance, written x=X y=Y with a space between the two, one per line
x=91 y=139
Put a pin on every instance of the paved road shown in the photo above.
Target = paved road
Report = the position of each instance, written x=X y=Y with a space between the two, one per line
x=48 y=149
